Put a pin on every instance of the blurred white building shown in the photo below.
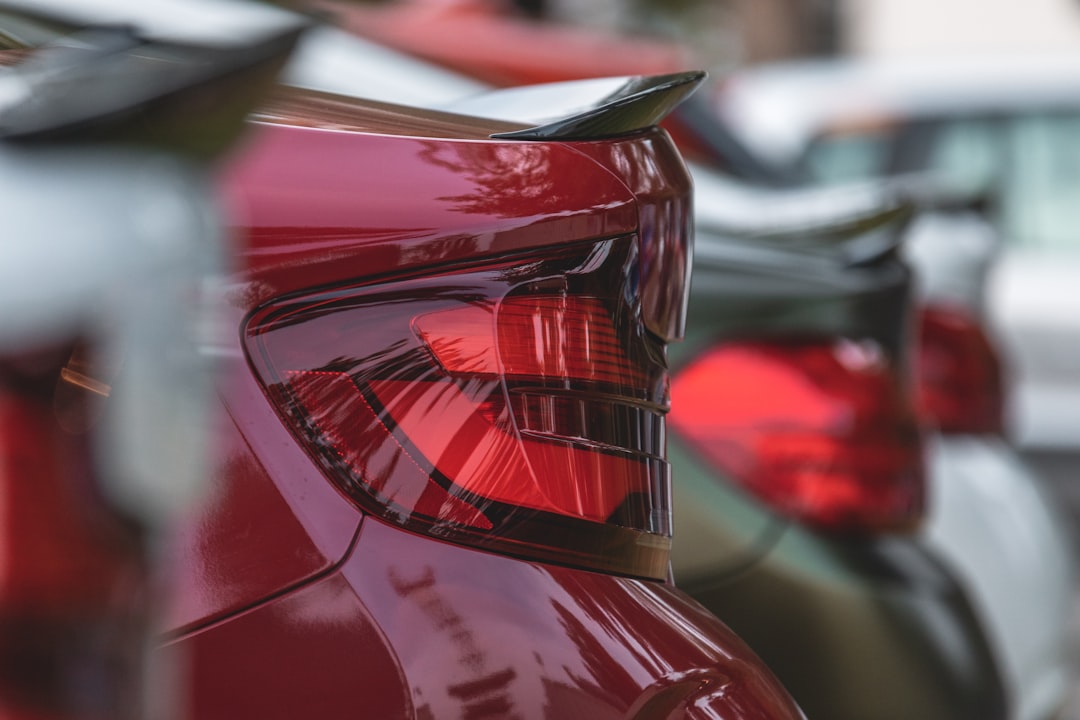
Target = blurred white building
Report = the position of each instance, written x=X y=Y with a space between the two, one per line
x=940 y=27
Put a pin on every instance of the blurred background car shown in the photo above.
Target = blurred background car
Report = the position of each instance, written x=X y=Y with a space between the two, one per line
x=489 y=41
x=806 y=432
x=996 y=127
x=1005 y=126
x=800 y=458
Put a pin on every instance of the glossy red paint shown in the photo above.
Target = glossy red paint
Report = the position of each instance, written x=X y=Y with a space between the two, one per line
x=265 y=500
x=321 y=205
x=415 y=628
x=289 y=610
x=480 y=39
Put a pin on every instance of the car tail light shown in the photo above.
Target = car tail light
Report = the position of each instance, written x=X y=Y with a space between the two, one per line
x=959 y=377
x=822 y=431
x=516 y=406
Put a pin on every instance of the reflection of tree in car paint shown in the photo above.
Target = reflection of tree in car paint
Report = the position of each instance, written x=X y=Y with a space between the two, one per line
x=446 y=248
x=487 y=694
x=498 y=171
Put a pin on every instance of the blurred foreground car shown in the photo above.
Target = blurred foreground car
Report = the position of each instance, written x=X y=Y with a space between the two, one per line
x=1006 y=125
x=113 y=235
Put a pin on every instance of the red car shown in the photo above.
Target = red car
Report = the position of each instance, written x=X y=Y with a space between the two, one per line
x=484 y=40
x=443 y=489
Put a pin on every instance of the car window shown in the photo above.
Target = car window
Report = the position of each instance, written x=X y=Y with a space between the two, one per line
x=1032 y=162
x=1041 y=203
x=968 y=154
x=848 y=155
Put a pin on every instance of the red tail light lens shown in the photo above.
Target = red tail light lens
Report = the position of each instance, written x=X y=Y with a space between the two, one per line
x=517 y=407
x=821 y=431
x=959 y=376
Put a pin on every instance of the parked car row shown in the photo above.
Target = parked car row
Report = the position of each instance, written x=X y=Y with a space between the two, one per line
x=1005 y=127
x=464 y=360
x=777 y=268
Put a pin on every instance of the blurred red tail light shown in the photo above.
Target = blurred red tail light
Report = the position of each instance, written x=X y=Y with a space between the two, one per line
x=821 y=431
x=516 y=406
x=959 y=376
x=71 y=570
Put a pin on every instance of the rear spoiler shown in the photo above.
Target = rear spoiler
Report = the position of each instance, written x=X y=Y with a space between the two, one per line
x=821 y=261
x=933 y=193
x=839 y=226
x=128 y=76
x=583 y=109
